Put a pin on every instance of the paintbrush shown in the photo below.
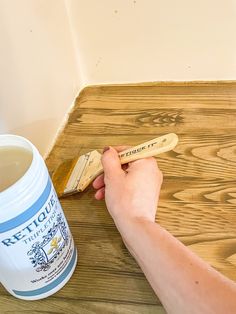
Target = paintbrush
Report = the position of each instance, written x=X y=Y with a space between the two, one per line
x=75 y=175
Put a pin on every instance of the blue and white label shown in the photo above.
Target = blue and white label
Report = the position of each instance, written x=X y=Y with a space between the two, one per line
x=37 y=249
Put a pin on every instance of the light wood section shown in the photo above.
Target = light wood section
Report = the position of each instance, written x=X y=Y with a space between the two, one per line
x=151 y=148
x=198 y=197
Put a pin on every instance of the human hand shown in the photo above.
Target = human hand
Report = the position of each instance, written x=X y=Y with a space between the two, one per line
x=130 y=192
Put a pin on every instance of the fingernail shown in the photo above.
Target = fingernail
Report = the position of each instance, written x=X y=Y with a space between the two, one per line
x=105 y=149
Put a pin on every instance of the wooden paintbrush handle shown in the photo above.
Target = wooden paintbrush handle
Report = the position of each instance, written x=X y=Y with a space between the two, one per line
x=89 y=166
x=151 y=148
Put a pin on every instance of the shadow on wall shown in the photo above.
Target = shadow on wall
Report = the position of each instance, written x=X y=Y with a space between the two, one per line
x=39 y=79
x=40 y=129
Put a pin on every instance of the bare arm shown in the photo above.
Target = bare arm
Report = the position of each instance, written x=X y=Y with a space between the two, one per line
x=183 y=282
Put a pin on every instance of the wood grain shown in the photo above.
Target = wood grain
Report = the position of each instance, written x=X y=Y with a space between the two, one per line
x=198 y=197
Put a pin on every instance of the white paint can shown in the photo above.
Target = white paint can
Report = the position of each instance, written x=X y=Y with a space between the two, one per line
x=37 y=252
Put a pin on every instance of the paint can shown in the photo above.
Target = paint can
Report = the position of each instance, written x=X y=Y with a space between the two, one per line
x=37 y=251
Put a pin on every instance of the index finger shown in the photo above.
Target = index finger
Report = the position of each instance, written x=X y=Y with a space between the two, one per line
x=121 y=148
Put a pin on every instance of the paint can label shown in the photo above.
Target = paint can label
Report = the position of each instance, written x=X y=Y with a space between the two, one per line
x=37 y=249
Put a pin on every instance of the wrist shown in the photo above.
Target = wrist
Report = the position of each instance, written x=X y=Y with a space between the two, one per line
x=132 y=228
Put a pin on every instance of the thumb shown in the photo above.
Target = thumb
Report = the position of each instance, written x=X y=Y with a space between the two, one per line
x=111 y=164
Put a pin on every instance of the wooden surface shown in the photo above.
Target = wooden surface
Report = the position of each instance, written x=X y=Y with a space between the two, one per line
x=198 y=198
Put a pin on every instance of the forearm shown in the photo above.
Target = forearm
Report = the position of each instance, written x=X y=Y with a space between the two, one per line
x=183 y=282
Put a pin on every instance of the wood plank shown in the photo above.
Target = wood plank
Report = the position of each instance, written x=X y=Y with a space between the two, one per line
x=178 y=95
x=54 y=305
x=149 y=121
x=202 y=155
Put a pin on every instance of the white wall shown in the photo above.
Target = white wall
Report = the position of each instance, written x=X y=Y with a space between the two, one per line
x=154 y=40
x=39 y=77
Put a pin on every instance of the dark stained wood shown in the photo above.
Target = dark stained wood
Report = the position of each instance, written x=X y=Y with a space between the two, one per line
x=198 y=197
x=74 y=305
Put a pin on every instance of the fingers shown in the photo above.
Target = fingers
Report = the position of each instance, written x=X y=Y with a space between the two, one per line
x=111 y=165
x=99 y=182
x=121 y=148
x=149 y=164
x=100 y=194
x=136 y=164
